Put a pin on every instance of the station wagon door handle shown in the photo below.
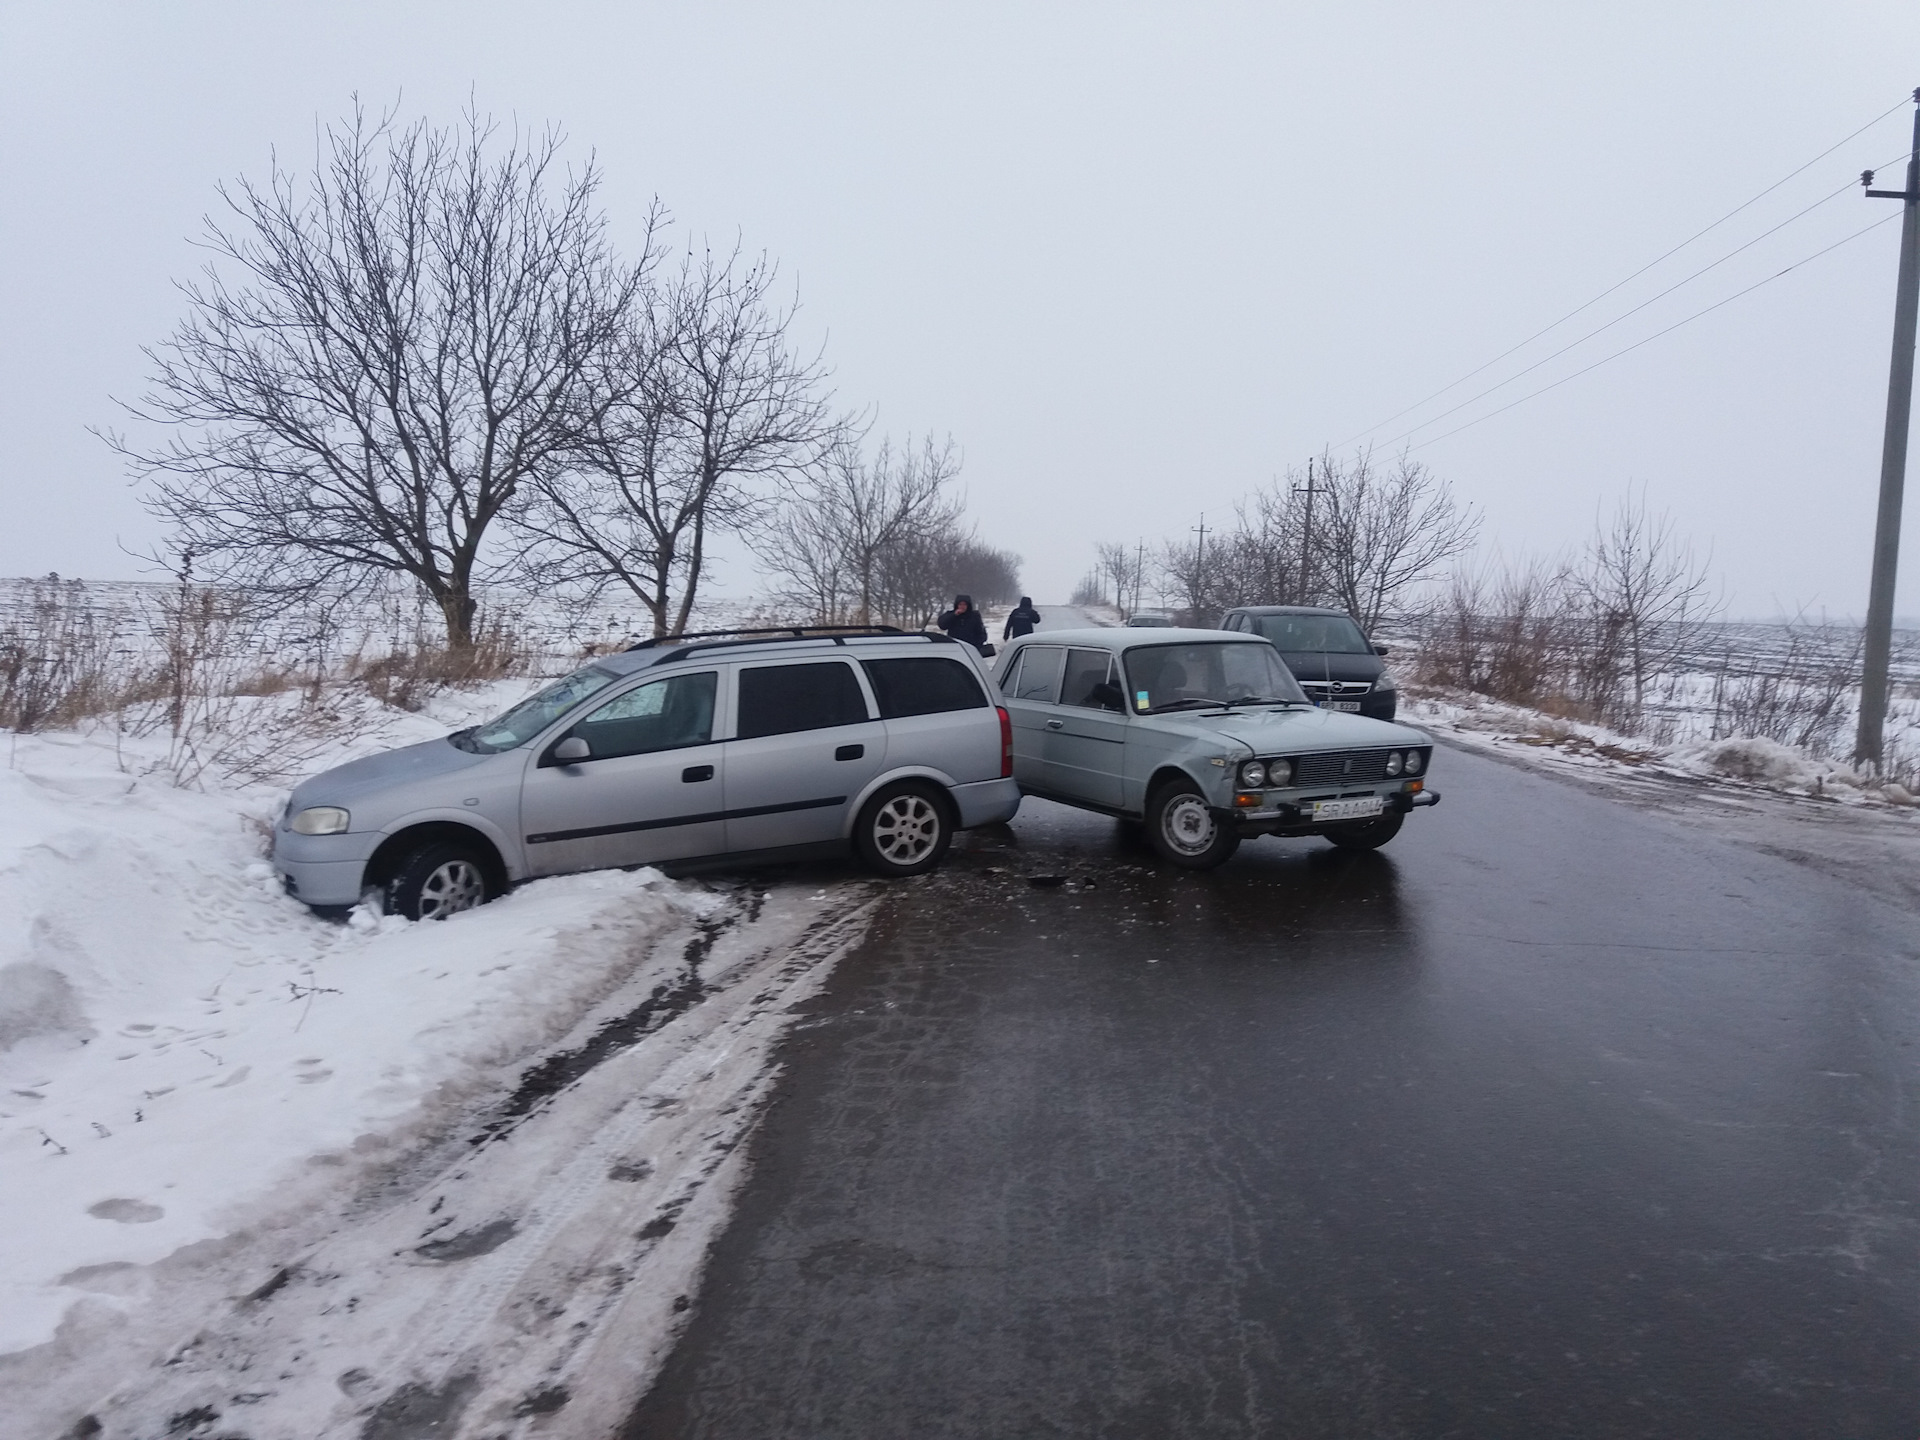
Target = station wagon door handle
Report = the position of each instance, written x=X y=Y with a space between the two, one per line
x=849 y=752
x=1056 y=724
x=696 y=772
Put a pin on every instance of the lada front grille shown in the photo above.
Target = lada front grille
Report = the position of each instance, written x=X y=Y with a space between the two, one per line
x=1336 y=767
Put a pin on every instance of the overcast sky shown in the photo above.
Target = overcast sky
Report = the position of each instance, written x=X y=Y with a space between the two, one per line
x=1135 y=260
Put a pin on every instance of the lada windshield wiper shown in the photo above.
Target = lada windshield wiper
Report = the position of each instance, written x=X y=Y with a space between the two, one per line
x=1192 y=703
x=1264 y=700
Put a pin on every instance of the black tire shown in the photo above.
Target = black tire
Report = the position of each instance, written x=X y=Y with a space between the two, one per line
x=903 y=830
x=1365 y=834
x=437 y=881
x=1183 y=831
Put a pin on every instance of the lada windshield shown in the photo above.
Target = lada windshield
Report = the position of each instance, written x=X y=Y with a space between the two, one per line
x=534 y=714
x=1201 y=674
x=1312 y=634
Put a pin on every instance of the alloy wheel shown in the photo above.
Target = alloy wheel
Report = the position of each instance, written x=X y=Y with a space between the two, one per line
x=906 y=829
x=452 y=887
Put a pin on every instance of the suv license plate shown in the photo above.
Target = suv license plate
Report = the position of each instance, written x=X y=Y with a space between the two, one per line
x=1349 y=705
x=1358 y=808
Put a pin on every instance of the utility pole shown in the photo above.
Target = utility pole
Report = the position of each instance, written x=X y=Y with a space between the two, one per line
x=1199 y=596
x=1139 y=572
x=1306 y=533
x=1893 y=462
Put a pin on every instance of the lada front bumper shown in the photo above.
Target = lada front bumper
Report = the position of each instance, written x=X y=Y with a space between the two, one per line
x=1277 y=816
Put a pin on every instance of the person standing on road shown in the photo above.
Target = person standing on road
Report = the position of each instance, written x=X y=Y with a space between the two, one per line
x=1021 y=621
x=963 y=622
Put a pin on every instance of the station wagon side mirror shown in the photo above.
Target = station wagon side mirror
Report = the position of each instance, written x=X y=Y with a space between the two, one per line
x=1381 y=651
x=571 y=751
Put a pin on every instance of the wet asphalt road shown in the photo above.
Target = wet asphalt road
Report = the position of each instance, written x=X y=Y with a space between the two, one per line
x=1551 y=1119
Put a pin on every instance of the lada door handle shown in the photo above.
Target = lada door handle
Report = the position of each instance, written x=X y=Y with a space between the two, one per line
x=696 y=772
x=1056 y=724
x=850 y=752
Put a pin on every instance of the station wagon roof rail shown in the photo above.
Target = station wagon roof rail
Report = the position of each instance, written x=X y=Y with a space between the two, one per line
x=706 y=640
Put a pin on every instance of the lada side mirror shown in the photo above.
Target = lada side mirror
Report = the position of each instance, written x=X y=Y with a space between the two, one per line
x=571 y=751
x=1381 y=651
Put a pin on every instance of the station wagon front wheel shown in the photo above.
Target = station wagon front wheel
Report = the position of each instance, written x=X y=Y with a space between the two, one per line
x=904 y=830
x=437 y=881
x=1184 y=831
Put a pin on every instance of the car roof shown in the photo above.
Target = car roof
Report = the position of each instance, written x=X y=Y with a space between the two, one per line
x=1122 y=638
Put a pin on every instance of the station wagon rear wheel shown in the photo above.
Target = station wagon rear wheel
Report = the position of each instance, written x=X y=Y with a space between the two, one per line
x=904 y=830
x=438 y=881
x=1184 y=831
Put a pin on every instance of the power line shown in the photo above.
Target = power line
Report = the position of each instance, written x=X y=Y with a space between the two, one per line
x=1624 y=315
x=1588 y=305
x=1658 y=333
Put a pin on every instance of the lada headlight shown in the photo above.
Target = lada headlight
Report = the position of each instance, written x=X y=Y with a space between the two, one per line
x=1279 y=773
x=320 y=820
x=1394 y=759
x=1253 y=775
x=1413 y=762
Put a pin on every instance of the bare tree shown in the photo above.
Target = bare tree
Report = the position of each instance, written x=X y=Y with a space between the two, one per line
x=379 y=359
x=1378 y=533
x=701 y=398
x=835 y=529
x=1646 y=595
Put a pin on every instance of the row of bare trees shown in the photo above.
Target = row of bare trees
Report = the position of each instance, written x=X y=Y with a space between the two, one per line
x=1586 y=634
x=879 y=539
x=428 y=359
x=1351 y=532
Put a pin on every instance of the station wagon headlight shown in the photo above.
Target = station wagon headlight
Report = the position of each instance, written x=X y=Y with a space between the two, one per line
x=1413 y=762
x=320 y=820
x=1253 y=775
x=1279 y=773
x=1394 y=759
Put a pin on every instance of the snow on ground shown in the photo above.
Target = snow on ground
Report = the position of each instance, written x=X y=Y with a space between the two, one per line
x=203 y=1087
x=1573 y=746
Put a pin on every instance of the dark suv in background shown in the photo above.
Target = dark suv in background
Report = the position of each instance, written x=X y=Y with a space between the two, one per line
x=1338 y=667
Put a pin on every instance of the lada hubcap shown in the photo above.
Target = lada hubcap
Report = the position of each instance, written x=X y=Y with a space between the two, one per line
x=1188 y=825
x=905 y=829
x=451 y=888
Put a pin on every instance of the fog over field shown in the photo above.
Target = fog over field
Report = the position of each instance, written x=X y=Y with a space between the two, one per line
x=1136 y=261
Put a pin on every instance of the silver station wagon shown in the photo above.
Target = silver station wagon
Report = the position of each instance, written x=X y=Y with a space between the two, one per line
x=1205 y=737
x=736 y=748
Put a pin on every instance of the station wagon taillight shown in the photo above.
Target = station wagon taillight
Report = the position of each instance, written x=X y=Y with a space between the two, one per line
x=1006 y=743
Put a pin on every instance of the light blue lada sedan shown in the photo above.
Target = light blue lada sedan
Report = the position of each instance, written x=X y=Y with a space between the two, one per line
x=1205 y=737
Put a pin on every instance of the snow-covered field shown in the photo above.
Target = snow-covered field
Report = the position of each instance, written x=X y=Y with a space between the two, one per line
x=289 y=1171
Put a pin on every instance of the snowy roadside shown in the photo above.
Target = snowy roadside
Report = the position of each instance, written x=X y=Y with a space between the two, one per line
x=1780 y=800
x=301 y=1173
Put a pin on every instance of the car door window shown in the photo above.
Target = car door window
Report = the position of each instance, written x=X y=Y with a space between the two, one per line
x=662 y=714
x=781 y=699
x=1039 y=677
x=923 y=685
x=1089 y=681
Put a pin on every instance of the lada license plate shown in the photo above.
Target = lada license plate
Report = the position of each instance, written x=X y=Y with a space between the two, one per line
x=1349 y=705
x=1358 y=808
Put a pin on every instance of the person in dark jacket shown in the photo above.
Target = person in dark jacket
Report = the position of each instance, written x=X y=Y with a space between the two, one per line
x=1021 y=621
x=963 y=622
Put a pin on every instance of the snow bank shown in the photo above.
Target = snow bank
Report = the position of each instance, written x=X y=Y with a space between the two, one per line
x=178 y=1039
x=1564 y=744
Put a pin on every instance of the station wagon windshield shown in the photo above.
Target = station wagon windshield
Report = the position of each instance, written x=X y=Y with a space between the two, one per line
x=534 y=714
x=1202 y=674
x=1311 y=634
